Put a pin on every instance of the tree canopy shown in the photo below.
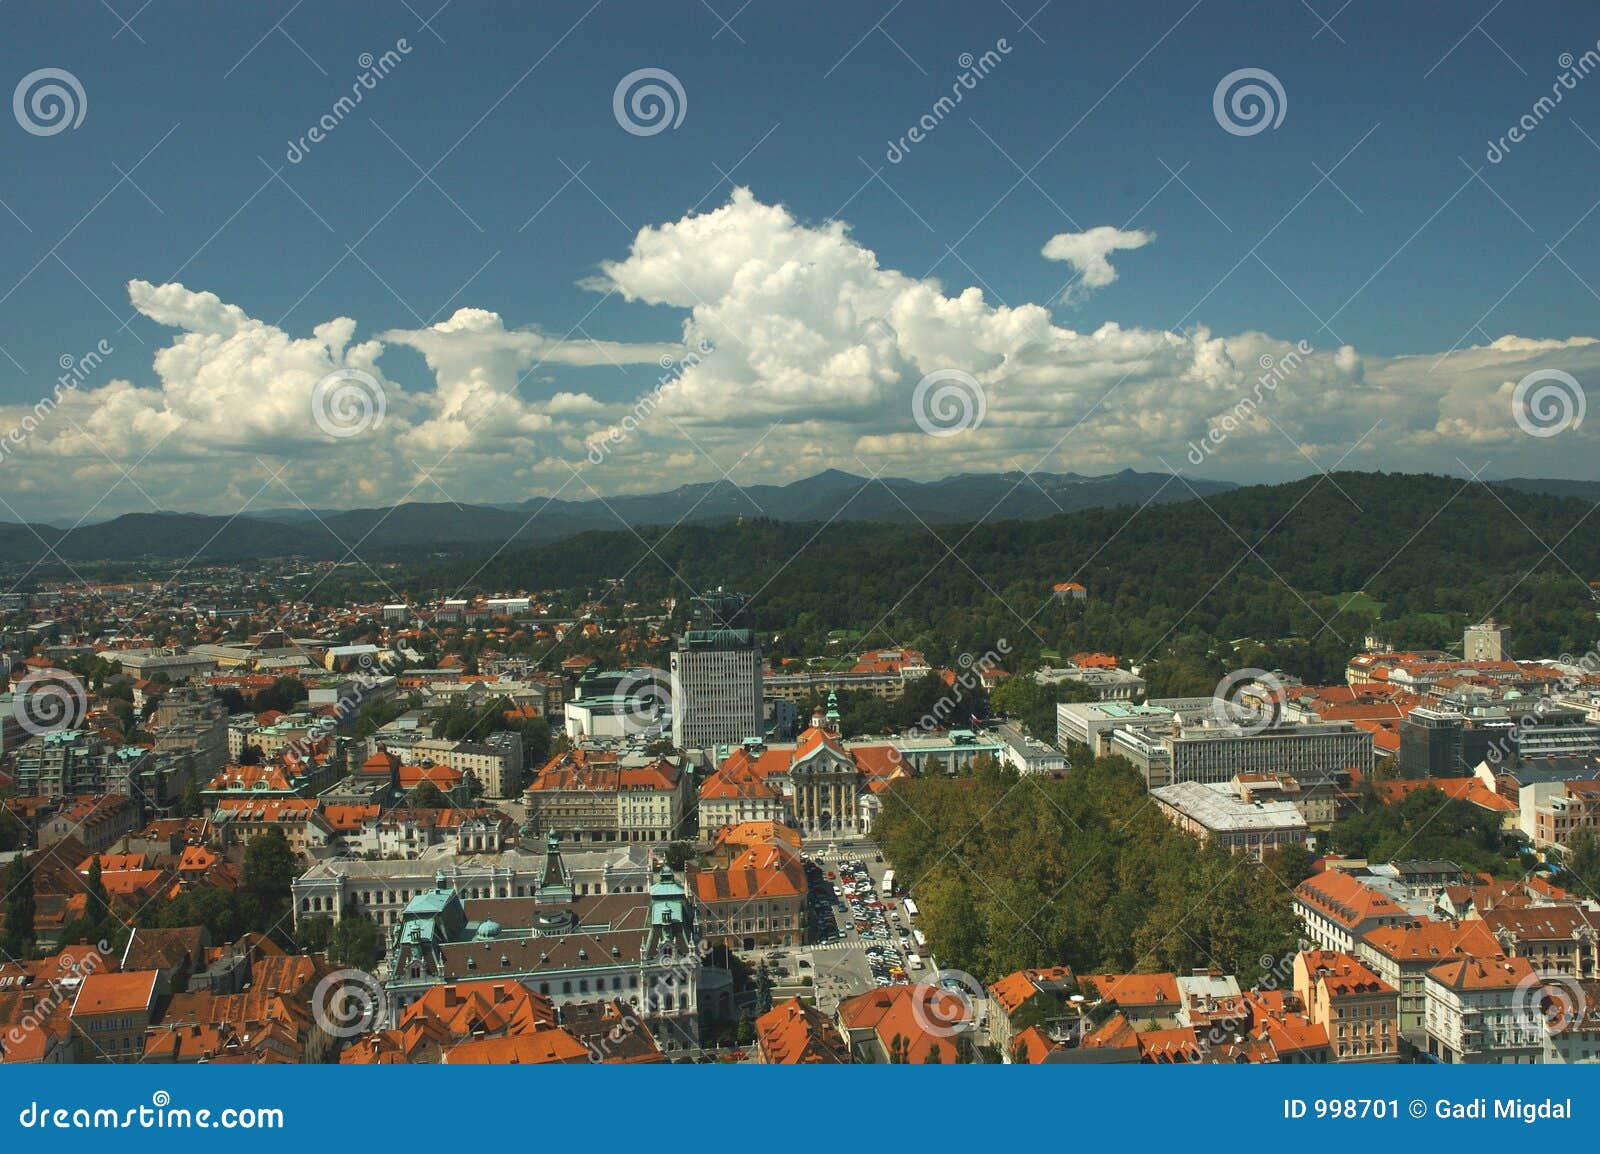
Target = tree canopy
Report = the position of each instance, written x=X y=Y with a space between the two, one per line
x=1016 y=872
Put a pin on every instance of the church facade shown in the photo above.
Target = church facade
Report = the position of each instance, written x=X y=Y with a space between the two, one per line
x=818 y=786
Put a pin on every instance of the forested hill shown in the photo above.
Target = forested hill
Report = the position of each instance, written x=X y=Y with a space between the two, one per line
x=402 y=530
x=1302 y=568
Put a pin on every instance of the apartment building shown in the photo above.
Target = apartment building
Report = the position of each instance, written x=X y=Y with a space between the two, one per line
x=1402 y=956
x=1337 y=911
x=1484 y=1011
x=589 y=796
x=1358 y=1010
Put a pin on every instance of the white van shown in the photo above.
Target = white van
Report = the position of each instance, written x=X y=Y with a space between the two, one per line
x=914 y=961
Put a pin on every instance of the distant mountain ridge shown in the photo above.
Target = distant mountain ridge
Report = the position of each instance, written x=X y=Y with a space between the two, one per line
x=831 y=495
x=327 y=534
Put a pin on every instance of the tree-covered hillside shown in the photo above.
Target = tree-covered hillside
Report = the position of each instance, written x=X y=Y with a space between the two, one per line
x=1288 y=575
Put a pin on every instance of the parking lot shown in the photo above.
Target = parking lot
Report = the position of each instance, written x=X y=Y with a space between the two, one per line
x=860 y=939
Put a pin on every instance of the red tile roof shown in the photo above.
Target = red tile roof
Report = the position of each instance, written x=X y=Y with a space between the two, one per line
x=1347 y=900
x=104 y=993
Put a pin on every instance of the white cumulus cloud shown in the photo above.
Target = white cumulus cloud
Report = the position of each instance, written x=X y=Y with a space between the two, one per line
x=1087 y=251
x=799 y=351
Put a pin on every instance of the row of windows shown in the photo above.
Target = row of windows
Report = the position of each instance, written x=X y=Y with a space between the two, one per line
x=1361 y=1048
x=1365 y=1010
x=320 y=904
x=733 y=925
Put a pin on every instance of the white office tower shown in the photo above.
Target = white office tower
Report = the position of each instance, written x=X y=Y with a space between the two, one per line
x=716 y=688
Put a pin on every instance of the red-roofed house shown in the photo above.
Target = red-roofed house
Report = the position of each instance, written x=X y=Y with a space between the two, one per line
x=1338 y=910
x=1358 y=1010
x=793 y=1033
x=1027 y=997
x=911 y=1025
x=110 y=1014
x=757 y=899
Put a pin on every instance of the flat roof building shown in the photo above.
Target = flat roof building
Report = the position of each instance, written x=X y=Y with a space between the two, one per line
x=1221 y=814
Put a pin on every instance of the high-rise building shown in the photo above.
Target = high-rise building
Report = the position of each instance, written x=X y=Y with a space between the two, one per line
x=716 y=677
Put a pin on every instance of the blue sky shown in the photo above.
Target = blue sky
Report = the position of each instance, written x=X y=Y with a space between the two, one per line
x=1356 y=223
